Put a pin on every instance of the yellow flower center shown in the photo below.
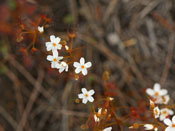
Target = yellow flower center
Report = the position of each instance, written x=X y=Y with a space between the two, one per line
x=86 y=95
x=55 y=59
x=54 y=44
x=156 y=93
x=156 y=112
x=173 y=125
x=165 y=112
x=82 y=66
x=98 y=115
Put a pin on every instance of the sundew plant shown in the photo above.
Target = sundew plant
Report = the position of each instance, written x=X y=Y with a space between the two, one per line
x=87 y=65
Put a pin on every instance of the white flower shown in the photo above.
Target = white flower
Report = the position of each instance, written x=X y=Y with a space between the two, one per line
x=107 y=129
x=66 y=47
x=54 y=59
x=156 y=112
x=170 y=124
x=82 y=66
x=165 y=99
x=97 y=115
x=86 y=95
x=159 y=95
x=96 y=118
x=150 y=127
x=53 y=44
x=156 y=91
x=111 y=98
x=62 y=66
x=164 y=113
x=41 y=29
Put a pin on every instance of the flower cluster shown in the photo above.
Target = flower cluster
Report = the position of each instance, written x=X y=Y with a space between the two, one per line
x=55 y=45
x=57 y=62
x=158 y=97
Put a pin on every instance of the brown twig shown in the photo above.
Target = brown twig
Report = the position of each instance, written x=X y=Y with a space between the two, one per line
x=168 y=59
x=31 y=101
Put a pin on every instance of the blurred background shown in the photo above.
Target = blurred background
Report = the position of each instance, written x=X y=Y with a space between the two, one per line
x=130 y=40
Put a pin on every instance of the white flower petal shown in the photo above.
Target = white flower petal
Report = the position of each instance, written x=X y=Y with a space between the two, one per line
x=82 y=61
x=52 y=38
x=166 y=99
x=162 y=117
x=78 y=70
x=170 y=112
x=150 y=92
x=85 y=100
x=49 y=58
x=81 y=96
x=163 y=92
x=156 y=86
x=48 y=43
x=66 y=68
x=158 y=100
x=91 y=92
x=49 y=47
x=88 y=64
x=99 y=110
x=60 y=58
x=167 y=122
x=148 y=126
x=55 y=53
x=156 y=112
x=155 y=129
x=84 y=71
x=40 y=29
x=53 y=65
x=84 y=91
x=58 y=66
x=107 y=129
x=59 y=46
x=90 y=98
x=173 y=119
x=76 y=64
x=61 y=70
x=96 y=118
x=169 y=129
x=57 y=40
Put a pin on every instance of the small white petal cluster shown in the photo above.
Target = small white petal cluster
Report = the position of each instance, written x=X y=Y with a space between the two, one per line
x=96 y=116
x=41 y=29
x=170 y=124
x=158 y=95
x=156 y=112
x=56 y=60
x=86 y=95
x=150 y=127
x=164 y=113
x=82 y=66
x=54 y=45
x=107 y=129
